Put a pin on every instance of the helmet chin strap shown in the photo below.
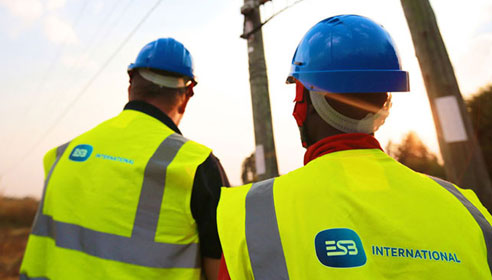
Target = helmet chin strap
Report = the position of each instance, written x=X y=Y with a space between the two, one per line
x=163 y=81
x=369 y=124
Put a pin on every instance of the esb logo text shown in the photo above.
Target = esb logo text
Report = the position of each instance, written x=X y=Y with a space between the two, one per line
x=81 y=152
x=339 y=247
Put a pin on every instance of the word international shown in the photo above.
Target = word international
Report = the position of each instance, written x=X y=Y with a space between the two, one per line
x=415 y=254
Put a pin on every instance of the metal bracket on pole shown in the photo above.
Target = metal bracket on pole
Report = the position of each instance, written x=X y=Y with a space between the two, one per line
x=249 y=6
x=266 y=158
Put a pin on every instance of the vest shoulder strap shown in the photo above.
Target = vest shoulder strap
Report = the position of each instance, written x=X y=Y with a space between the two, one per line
x=476 y=214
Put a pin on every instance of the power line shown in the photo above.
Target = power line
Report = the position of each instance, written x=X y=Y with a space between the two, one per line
x=281 y=11
x=85 y=88
x=88 y=50
x=54 y=61
x=93 y=43
x=50 y=68
x=255 y=29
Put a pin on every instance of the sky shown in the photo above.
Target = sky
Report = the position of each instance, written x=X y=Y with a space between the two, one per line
x=64 y=71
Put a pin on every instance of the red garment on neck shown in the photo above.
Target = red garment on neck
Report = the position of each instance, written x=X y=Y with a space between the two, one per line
x=340 y=142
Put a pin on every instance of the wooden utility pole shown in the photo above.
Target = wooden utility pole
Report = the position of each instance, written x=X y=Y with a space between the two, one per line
x=265 y=156
x=463 y=160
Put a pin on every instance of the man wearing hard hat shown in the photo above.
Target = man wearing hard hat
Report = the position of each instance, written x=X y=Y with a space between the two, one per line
x=352 y=212
x=132 y=198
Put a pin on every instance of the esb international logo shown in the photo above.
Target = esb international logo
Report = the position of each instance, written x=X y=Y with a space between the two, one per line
x=81 y=152
x=339 y=247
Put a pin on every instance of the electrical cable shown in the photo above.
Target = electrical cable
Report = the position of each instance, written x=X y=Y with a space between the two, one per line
x=27 y=109
x=93 y=43
x=84 y=89
x=257 y=28
x=54 y=61
x=87 y=51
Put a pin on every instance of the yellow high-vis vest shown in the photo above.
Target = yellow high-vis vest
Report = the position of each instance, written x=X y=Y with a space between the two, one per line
x=116 y=205
x=355 y=214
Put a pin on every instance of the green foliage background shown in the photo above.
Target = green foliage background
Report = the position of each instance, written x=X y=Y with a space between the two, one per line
x=480 y=109
x=413 y=153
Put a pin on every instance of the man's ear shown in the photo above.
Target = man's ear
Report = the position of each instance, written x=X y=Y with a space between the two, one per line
x=184 y=103
x=129 y=84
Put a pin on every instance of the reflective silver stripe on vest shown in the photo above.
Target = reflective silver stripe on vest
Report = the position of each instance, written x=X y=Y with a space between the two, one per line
x=39 y=225
x=25 y=277
x=40 y=221
x=149 y=205
x=477 y=215
x=107 y=246
x=140 y=248
x=262 y=235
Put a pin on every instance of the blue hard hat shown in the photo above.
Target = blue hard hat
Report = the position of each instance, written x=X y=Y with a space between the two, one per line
x=165 y=54
x=348 y=54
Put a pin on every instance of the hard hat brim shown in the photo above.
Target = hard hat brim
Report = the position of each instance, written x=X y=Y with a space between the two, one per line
x=353 y=81
x=134 y=66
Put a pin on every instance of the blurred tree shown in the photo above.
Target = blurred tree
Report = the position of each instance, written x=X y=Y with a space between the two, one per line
x=480 y=109
x=248 y=170
x=413 y=153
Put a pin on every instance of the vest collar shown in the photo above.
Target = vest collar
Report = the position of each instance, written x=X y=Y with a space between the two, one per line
x=152 y=111
x=341 y=142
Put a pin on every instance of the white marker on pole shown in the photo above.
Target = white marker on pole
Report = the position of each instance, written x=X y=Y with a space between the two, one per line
x=450 y=119
x=260 y=160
